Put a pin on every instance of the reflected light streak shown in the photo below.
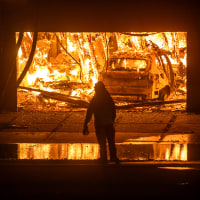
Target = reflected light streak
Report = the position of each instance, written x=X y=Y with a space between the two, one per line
x=178 y=168
x=75 y=151
x=90 y=151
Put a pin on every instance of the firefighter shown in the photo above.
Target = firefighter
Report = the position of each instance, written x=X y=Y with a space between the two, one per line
x=103 y=108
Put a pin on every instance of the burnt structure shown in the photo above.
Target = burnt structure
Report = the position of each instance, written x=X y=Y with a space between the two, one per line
x=88 y=16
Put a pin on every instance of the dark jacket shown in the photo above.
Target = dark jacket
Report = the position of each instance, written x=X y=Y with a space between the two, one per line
x=103 y=108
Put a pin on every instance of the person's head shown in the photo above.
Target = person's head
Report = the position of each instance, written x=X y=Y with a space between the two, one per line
x=99 y=87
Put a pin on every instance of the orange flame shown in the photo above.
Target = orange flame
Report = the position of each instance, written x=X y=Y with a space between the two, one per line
x=42 y=71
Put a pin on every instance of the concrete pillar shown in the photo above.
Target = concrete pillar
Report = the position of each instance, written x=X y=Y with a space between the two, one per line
x=8 y=89
x=9 y=151
x=193 y=70
x=193 y=152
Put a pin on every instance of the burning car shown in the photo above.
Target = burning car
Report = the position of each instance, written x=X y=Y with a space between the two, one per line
x=146 y=75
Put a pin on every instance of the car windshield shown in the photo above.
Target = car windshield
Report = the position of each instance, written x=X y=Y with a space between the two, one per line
x=128 y=64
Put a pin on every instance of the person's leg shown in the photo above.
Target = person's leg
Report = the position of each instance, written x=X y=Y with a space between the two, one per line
x=101 y=138
x=110 y=133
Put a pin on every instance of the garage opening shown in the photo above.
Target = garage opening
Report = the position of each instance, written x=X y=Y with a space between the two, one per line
x=141 y=70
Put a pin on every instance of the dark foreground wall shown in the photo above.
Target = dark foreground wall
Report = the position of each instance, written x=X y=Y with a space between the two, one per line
x=8 y=90
x=88 y=15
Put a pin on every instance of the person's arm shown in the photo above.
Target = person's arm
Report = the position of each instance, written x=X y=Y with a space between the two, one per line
x=113 y=109
x=88 y=115
x=87 y=118
x=113 y=112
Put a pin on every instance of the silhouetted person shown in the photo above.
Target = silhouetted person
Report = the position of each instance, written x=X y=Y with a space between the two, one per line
x=103 y=108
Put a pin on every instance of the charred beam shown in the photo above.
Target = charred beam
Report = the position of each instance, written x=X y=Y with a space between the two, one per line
x=138 y=34
x=157 y=103
x=69 y=55
x=58 y=96
x=28 y=64
x=21 y=34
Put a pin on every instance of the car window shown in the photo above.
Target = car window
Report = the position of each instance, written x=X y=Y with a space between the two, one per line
x=123 y=64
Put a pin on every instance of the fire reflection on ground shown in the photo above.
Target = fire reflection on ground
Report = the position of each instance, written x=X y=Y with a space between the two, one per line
x=179 y=168
x=83 y=151
x=75 y=151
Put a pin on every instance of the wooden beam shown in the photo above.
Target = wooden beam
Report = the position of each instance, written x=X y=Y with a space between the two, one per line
x=58 y=96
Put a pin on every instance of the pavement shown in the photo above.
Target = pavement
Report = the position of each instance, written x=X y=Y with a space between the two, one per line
x=58 y=179
x=55 y=127
x=90 y=180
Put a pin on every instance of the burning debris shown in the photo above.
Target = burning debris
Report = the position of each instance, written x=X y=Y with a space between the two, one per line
x=62 y=68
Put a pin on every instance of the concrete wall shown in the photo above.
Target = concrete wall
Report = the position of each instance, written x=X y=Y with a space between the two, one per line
x=8 y=90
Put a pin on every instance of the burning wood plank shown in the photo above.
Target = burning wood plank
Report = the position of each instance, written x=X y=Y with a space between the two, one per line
x=57 y=96
x=154 y=103
x=84 y=104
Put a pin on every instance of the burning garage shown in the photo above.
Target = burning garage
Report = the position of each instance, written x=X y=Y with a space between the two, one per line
x=58 y=70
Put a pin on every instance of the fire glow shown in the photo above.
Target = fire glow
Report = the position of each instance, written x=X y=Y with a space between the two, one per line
x=71 y=63
x=90 y=151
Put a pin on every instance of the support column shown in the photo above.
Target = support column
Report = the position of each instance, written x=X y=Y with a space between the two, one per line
x=8 y=88
x=193 y=71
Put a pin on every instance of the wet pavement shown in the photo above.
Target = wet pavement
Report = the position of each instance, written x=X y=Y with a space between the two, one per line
x=126 y=121
x=64 y=127
x=131 y=151
x=45 y=155
x=139 y=135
